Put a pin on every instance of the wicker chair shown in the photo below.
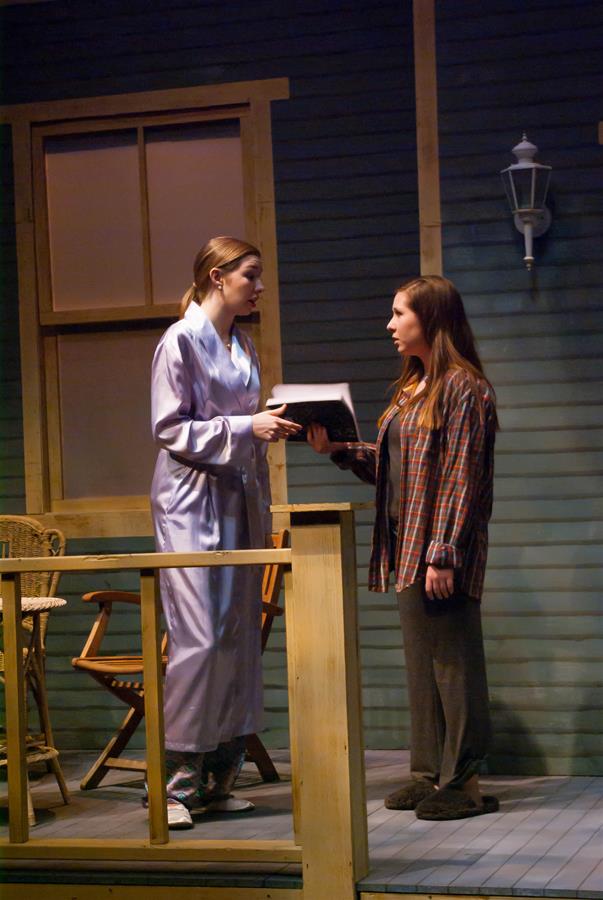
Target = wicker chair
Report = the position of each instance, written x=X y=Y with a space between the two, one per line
x=121 y=675
x=22 y=536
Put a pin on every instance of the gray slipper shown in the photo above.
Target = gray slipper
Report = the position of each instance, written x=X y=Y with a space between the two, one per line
x=409 y=795
x=452 y=803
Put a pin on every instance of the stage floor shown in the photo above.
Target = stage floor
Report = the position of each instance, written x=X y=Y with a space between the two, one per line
x=546 y=840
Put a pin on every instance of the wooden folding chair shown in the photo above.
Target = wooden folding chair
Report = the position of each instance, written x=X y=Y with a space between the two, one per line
x=109 y=671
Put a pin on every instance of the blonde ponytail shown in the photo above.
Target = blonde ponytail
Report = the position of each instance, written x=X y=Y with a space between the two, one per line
x=188 y=297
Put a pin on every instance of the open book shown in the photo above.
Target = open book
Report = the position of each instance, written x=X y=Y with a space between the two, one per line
x=328 y=404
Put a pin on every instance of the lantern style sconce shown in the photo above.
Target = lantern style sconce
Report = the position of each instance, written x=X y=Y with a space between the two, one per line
x=526 y=184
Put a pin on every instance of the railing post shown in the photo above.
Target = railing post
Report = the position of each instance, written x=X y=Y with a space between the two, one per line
x=294 y=721
x=153 y=702
x=14 y=693
x=322 y=639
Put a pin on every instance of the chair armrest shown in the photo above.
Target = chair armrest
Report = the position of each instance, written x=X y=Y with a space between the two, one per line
x=106 y=597
x=105 y=600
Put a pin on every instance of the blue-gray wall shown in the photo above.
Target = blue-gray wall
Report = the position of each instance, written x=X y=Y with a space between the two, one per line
x=540 y=335
x=345 y=173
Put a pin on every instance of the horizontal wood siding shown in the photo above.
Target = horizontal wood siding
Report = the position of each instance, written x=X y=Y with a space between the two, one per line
x=347 y=223
x=502 y=69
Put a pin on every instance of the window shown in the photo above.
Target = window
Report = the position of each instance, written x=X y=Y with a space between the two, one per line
x=124 y=192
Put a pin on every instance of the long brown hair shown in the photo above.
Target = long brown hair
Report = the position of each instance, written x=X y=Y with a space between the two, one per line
x=439 y=308
x=224 y=253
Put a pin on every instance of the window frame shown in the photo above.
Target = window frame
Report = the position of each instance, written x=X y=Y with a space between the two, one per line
x=40 y=325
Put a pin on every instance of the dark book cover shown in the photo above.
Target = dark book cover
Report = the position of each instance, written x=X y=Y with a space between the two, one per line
x=335 y=415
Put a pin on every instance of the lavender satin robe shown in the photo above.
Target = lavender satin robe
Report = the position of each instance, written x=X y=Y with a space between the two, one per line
x=210 y=491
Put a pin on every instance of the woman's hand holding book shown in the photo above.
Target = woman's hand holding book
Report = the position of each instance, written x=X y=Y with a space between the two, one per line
x=318 y=439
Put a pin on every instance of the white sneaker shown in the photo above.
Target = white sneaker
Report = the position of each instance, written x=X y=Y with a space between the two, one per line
x=228 y=804
x=178 y=815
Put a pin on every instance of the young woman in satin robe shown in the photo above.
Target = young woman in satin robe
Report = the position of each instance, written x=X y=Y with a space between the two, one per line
x=211 y=491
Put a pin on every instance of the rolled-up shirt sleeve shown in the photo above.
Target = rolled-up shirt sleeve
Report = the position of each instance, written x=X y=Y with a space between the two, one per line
x=361 y=459
x=463 y=438
x=222 y=440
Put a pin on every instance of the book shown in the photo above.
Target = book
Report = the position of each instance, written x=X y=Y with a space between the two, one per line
x=328 y=404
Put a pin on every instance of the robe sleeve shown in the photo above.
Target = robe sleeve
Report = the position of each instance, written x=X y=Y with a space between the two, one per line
x=220 y=441
x=263 y=475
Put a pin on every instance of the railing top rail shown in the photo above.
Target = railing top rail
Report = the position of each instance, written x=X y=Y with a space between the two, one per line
x=342 y=506
x=117 y=561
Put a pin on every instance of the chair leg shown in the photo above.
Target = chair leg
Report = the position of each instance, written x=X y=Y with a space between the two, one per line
x=257 y=753
x=31 y=816
x=114 y=748
x=55 y=767
x=37 y=682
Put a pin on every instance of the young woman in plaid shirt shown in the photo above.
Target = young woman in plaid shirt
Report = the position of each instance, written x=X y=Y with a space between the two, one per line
x=432 y=466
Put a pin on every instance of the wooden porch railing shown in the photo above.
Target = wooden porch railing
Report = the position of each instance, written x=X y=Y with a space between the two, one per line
x=329 y=808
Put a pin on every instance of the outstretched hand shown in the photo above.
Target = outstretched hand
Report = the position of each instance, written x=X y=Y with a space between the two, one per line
x=268 y=426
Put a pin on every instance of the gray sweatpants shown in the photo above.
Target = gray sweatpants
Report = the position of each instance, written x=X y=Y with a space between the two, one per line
x=447 y=686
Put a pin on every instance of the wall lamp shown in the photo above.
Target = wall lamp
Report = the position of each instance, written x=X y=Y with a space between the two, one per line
x=526 y=184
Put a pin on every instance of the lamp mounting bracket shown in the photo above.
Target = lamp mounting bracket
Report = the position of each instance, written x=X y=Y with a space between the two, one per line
x=540 y=220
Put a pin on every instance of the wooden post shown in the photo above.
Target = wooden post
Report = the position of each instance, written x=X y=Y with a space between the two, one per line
x=153 y=702
x=428 y=163
x=14 y=694
x=294 y=723
x=36 y=486
x=270 y=322
x=322 y=641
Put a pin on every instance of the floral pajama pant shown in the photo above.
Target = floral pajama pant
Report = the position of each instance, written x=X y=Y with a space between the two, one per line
x=196 y=778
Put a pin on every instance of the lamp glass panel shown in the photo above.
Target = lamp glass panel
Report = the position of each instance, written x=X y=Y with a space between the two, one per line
x=523 y=182
x=542 y=177
x=508 y=186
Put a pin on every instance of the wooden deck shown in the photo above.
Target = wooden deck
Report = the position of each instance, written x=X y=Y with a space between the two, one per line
x=546 y=840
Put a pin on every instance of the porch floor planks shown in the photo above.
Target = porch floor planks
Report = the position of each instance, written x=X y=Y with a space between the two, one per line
x=584 y=868
x=587 y=817
x=592 y=886
x=545 y=841
x=502 y=845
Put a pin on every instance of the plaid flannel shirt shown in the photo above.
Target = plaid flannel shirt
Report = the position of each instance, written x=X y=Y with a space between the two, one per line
x=445 y=488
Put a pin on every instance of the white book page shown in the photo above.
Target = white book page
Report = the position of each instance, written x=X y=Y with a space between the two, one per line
x=310 y=394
